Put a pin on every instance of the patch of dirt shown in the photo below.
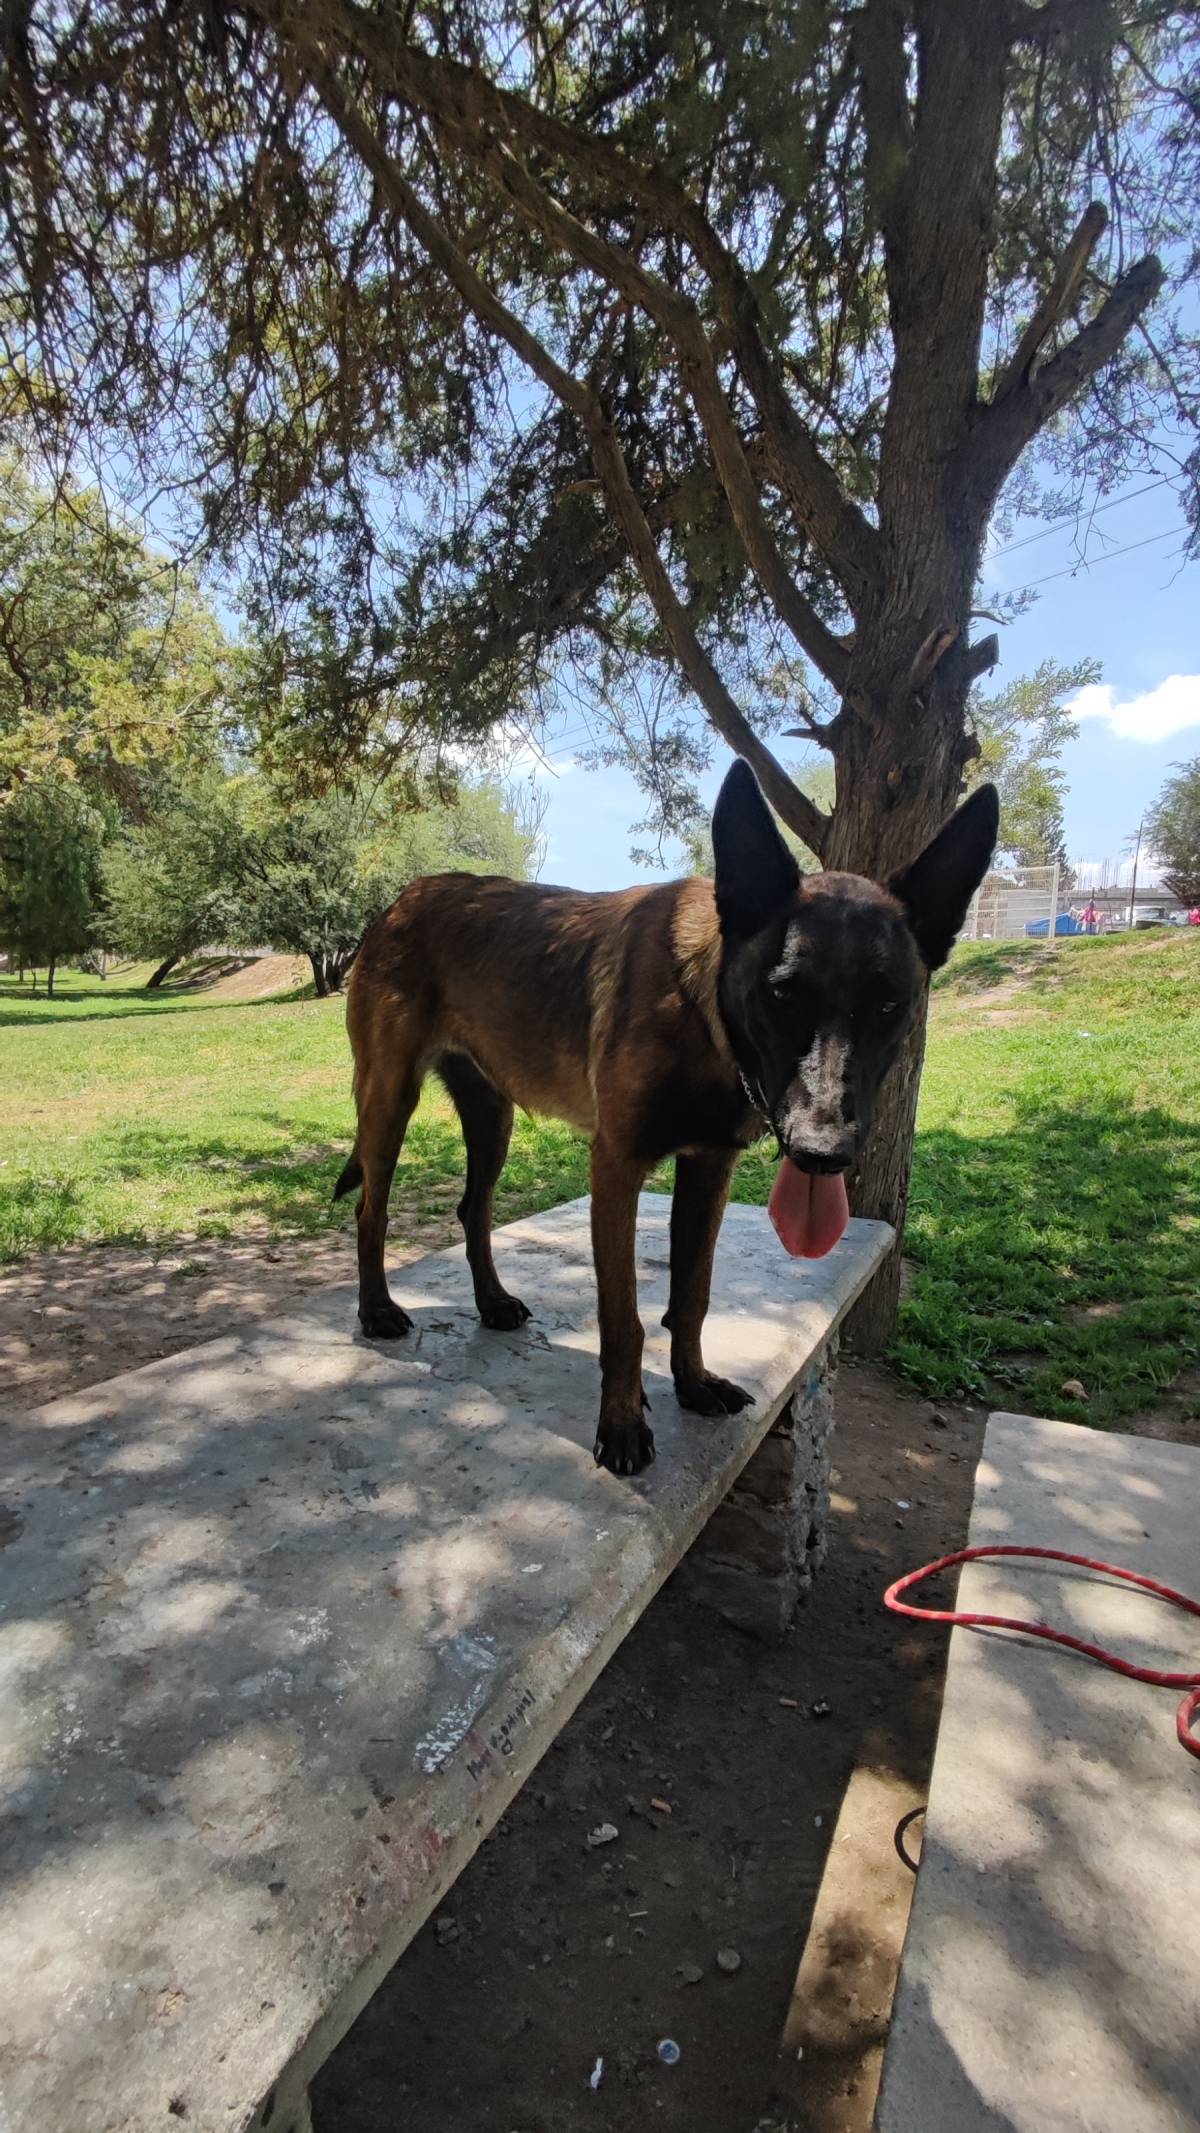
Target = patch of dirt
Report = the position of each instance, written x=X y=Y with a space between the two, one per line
x=71 y=1319
x=1012 y=1017
x=259 y=977
x=1176 y=1419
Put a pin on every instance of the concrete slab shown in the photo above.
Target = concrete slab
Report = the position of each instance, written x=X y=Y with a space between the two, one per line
x=285 y=1620
x=1051 y=1976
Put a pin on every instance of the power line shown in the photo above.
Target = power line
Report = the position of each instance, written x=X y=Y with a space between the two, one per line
x=1072 y=570
x=1072 y=518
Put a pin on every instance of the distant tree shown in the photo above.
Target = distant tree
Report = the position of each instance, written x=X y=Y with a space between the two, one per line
x=168 y=878
x=1173 y=832
x=1021 y=732
x=110 y=660
x=311 y=875
x=50 y=875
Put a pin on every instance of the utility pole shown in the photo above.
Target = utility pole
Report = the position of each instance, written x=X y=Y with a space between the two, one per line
x=1136 y=855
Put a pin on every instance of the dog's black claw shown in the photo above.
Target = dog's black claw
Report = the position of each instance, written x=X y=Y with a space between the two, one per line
x=385 y=1322
x=666 y=1319
x=624 y=1447
x=709 y=1395
x=504 y=1314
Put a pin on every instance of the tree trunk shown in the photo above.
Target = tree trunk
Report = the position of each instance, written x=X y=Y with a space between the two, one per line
x=900 y=774
x=329 y=971
x=50 y=969
x=156 y=976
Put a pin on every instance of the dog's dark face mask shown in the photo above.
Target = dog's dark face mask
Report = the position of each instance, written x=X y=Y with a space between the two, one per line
x=820 y=979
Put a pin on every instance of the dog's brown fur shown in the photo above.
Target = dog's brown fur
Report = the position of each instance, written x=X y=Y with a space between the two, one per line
x=598 y=1009
x=663 y=1021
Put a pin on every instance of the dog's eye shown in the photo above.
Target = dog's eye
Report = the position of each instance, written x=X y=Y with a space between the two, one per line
x=887 y=1007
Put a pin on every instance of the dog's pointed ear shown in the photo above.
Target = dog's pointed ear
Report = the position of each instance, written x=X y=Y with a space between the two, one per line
x=755 y=872
x=937 y=888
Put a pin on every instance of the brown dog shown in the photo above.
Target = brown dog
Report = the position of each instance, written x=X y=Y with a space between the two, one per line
x=682 y=1020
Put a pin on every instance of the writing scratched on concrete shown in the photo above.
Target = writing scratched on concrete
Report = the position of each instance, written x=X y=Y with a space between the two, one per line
x=502 y=1737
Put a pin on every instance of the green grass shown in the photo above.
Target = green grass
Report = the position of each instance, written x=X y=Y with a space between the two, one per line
x=181 y=1116
x=1055 y=1217
x=1054 y=1222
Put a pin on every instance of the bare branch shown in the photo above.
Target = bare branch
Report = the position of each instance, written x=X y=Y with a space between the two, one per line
x=1096 y=343
x=1006 y=426
x=981 y=657
x=1057 y=301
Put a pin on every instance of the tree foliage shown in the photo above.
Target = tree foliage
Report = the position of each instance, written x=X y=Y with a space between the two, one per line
x=310 y=876
x=1173 y=832
x=237 y=861
x=110 y=660
x=691 y=330
x=1022 y=731
x=50 y=876
x=168 y=877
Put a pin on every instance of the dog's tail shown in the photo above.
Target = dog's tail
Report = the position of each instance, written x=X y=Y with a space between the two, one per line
x=351 y=1178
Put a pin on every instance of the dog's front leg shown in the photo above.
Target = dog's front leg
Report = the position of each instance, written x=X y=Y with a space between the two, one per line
x=624 y=1443
x=701 y=1190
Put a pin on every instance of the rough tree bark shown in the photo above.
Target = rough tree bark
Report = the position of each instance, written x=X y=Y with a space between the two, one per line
x=164 y=970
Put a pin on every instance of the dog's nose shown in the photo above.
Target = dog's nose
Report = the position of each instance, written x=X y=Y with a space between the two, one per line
x=832 y=1156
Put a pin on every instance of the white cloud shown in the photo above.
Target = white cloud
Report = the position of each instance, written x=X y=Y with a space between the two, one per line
x=1157 y=715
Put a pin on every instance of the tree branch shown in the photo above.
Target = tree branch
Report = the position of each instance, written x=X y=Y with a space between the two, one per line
x=981 y=657
x=1057 y=301
x=1096 y=343
x=796 y=809
x=1004 y=428
x=464 y=101
x=678 y=317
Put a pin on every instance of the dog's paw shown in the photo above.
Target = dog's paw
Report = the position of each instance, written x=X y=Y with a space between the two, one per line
x=625 y=1444
x=385 y=1322
x=709 y=1395
x=503 y=1313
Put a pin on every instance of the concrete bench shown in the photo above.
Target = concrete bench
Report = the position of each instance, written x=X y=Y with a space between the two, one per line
x=285 y=1620
x=1050 y=1981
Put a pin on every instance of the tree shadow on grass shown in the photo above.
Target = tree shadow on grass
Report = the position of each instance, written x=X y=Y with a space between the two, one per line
x=118 y=1003
x=1014 y=1235
x=992 y=965
x=265 y=1177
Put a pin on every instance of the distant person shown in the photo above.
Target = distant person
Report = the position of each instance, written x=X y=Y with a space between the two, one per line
x=1194 y=915
x=1091 y=918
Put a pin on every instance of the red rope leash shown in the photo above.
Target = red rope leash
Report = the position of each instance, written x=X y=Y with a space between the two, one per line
x=1188 y=1710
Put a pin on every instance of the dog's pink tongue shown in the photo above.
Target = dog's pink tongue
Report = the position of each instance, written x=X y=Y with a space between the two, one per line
x=809 y=1212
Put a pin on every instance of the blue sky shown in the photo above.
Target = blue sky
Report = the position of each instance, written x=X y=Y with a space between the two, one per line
x=1138 y=613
